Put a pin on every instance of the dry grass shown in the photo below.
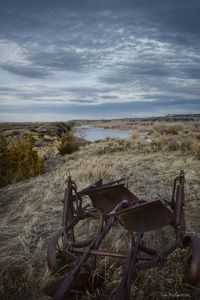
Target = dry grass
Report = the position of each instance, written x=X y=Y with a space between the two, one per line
x=148 y=124
x=31 y=212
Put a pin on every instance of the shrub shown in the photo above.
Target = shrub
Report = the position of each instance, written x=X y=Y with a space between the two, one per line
x=167 y=129
x=172 y=131
x=170 y=144
x=19 y=162
x=187 y=144
x=4 y=161
x=68 y=145
x=135 y=135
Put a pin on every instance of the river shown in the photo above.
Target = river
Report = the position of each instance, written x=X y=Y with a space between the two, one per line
x=92 y=134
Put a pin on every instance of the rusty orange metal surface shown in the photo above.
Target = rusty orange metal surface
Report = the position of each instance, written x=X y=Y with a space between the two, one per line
x=145 y=217
x=106 y=198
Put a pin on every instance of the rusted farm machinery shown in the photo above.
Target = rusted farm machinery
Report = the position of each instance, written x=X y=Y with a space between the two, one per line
x=113 y=203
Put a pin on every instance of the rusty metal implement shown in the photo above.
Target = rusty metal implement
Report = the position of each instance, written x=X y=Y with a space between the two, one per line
x=110 y=204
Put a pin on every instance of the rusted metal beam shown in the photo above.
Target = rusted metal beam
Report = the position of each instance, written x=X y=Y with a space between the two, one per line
x=101 y=253
x=65 y=286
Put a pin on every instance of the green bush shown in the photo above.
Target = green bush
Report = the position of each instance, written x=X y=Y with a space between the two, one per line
x=19 y=161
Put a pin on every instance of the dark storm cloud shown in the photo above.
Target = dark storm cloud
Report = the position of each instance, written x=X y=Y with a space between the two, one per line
x=130 y=49
x=25 y=70
x=111 y=110
x=152 y=69
x=68 y=60
x=171 y=18
x=80 y=101
x=122 y=73
x=95 y=25
x=4 y=90
x=57 y=94
x=44 y=63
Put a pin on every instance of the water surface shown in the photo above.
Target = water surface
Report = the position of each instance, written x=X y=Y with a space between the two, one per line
x=91 y=134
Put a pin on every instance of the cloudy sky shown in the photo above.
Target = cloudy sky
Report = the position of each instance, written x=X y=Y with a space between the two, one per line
x=69 y=59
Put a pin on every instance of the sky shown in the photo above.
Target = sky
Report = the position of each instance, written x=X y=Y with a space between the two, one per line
x=98 y=59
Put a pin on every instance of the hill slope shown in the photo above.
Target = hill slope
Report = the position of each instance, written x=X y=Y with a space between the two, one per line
x=31 y=212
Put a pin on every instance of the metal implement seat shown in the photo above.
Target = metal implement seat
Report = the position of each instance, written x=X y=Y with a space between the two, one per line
x=106 y=198
x=145 y=217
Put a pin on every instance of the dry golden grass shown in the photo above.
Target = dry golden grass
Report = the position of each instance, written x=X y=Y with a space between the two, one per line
x=148 y=124
x=31 y=212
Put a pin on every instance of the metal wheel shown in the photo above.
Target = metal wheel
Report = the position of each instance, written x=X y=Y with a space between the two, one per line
x=56 y=254
x=193 y=260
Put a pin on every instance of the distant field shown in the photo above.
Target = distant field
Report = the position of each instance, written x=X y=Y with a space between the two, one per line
x=31 y=211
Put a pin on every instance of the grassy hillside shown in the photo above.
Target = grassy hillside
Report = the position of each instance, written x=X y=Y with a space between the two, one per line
x=46 y=135
x=31 y=211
